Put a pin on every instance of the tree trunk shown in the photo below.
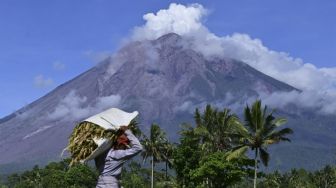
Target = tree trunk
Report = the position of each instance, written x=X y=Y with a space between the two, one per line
x=255 y=168
x=152 y=182
x=166 y=171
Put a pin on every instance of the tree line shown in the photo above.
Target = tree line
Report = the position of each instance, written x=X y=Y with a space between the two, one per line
x=211 y=153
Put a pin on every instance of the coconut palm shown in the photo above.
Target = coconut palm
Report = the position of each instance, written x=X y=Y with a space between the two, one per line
x=167 y=156
x=217 y=129
x=259 y=132
x=153 y=147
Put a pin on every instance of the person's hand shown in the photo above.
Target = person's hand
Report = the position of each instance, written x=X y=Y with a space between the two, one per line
x=123 y=128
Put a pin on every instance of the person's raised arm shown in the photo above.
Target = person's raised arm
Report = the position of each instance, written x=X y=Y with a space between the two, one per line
x=135 y=143
x=136 y=147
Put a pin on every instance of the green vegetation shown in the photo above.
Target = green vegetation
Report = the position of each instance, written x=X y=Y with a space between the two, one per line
x=58 y=175
x=259 y=132
x=212 y=153
x=154 y=146
x=55 y=175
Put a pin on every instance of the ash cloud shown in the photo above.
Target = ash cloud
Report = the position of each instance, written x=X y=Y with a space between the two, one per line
x=317 y=84
x=189 y=106
x=74 y=107
x=70 y=106
x=319 y=101
x=177 y=18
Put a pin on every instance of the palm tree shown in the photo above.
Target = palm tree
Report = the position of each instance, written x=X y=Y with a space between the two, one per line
x=259 y=132
x=153 y=147
x=217 y=129
x=167 y=156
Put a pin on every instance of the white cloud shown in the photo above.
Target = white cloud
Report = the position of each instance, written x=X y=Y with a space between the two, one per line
x=107 y=102
x=70 y=107
x=75 y=107
x=279 y=65
x=177 y=18
x=152 y=55
x=187 y=22
x=41 y=82
x=117 y=60
x=57 y=65
x=321 y=102
x=189 y=106
x=186 y=106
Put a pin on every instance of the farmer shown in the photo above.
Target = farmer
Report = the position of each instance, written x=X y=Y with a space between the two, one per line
x=109 y=164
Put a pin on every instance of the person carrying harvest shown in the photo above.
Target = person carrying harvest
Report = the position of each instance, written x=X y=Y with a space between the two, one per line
x=109 y=164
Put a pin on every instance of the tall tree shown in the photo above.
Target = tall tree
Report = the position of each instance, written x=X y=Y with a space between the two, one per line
x=187 y=156
x=217 y=129
x=325 y=177
x=167 y=156
x=260 y=131
x=154 y=147
x=221 y=172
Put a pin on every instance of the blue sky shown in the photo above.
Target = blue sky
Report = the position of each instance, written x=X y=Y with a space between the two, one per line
x=57 y=40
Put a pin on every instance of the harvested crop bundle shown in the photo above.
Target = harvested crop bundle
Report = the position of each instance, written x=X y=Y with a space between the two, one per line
x=96 y=134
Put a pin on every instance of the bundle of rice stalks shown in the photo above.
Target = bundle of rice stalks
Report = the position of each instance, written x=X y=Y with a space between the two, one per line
x=81 y=141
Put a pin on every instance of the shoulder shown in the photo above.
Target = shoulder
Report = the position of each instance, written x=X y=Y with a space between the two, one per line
x=116 y=154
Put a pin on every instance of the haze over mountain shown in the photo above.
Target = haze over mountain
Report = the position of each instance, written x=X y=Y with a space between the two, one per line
x=165 y=80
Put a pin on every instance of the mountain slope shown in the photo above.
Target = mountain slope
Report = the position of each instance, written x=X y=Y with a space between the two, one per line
x=164 y=80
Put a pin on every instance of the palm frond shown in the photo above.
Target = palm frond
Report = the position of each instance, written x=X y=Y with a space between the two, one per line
x=280 y=121
x=236 y=152
x=264 y=156
x=197 y=117
x=281 y=133
x=249 y=122
x=260 y=130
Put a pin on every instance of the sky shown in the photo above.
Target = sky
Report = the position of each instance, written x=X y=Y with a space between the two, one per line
x=46 y=43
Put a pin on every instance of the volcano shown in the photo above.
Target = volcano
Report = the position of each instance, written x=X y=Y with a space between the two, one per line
x=165 y=80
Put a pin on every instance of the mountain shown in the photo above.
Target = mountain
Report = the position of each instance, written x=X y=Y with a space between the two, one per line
x=165 y=80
